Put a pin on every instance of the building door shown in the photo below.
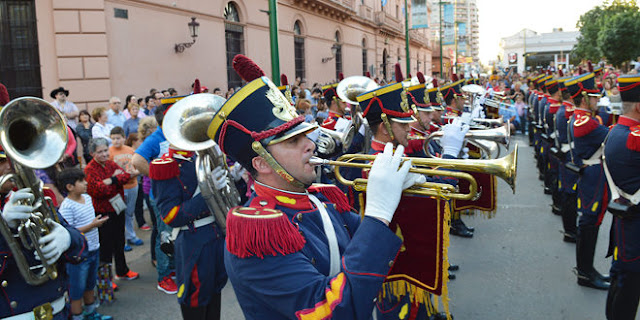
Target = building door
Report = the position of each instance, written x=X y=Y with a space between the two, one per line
x=19 y=55
x=234 y=40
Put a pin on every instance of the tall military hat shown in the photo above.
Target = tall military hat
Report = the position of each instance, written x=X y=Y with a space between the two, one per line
x=584 y=84
x=435 y=96
x=629 y=86
x=452 y=89
x=551 y=85
x=256 y=116
x=415 y=95
x=329 y=93
x=540 y=82
x=561 y=83
x=386 y=104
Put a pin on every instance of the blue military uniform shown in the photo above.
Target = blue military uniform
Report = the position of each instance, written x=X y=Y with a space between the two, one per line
x=566 y=178
x=588 y=134
x=18 y=297
x=200 y=272
x=278 y=254
x=622 y=157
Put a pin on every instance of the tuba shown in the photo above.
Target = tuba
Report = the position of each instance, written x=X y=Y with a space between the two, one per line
x=185 y=126
x=351 y=87
x=33 y=134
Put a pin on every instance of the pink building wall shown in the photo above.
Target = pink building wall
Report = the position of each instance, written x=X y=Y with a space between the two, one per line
x=95 y=55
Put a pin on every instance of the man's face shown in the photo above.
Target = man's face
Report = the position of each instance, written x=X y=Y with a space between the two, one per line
x=400 y=132
x=293 y=155
x=459 y=103
x=218 y=92
x=342 y=106
x=158 y=97
x=61 y=97
x=593 y=103
x=115 y=105
x=424 y=118
x=436 y=116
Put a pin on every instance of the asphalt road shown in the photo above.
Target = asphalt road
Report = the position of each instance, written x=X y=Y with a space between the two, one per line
x=515 y=267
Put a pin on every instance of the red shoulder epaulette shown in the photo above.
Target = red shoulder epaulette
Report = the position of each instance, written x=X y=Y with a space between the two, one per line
x=163 y=169
x=633 y=140
x=260 y=231
x=553 y=108
x=584 y=125
x=333 y=194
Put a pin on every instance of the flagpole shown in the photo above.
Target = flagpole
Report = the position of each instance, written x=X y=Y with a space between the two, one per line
x=273 y=39
x=406 y=36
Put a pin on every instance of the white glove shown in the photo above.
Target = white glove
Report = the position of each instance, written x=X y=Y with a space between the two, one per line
x=13 y=211
x=56 y=242
x=465 y=153
x=386 y=183
x=237 y=171
x=465 y=118
x=453 y=137
x=219 y=178
x=476 y=112
x=413 y=179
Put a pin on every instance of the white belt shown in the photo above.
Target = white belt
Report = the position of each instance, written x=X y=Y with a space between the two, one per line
x=57 y=305
x=596 y=157
x=552 y=135
x=565 y=148
x=200 y=222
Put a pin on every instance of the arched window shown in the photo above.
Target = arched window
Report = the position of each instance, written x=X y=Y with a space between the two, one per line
x=234 y=40
x=298 y=48
x=338 y=55
x=364 y=56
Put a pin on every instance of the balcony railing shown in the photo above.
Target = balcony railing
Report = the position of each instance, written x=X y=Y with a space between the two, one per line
x=366 y=12
x=387 y=22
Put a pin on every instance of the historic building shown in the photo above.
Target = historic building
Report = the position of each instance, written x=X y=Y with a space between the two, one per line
x=102 y=48
x=541 y=49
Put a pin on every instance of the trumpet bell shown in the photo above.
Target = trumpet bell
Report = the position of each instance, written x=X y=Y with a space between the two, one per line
x=33 y=132
x=185 y=123
x=351 y=87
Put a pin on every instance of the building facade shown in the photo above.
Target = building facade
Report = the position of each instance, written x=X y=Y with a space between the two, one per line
x=541 y=49
x=464 y=38
x=103 y=48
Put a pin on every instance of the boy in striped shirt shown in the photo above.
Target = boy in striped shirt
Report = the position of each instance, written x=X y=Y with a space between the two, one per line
x=78 y=210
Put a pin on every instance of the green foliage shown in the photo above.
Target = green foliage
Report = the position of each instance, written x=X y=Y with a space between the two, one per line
x=610 y=30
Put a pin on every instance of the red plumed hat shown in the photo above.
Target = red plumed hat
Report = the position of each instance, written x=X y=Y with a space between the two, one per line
x=246 y=68
x=420 y=77
x=435 y=82
x=4 y=95
x=283 y=80
x=399 y=76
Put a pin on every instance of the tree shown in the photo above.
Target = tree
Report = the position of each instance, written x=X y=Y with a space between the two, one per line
x=608 y=30
x=619 y=39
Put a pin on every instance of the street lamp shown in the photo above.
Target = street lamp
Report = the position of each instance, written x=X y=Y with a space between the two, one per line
x=334 y=51
x=193 y=29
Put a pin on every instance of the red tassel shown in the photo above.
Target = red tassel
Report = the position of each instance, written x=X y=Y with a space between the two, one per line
x=589 y=65
x=246 y=68
x=435 y=82
x=367 y=74
x=454 y=77
x=421 y=78
x=560 y=73
x=334 y=195
x=410 y=76
x=4 y=95
x=269 y=235
x=340 y=76
x=196 y=86
x=399 y=76
x=283 y=80
x=584 y=125
x=580 y=71
x=633 y=140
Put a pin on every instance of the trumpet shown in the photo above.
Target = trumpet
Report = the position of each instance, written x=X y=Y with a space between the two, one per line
x=504 y=168
x=326 y=143
x=486 y=140
x=351 y=87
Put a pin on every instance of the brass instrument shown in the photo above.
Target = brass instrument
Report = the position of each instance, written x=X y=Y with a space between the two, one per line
x=351 y=87
x=33 y=134
x=505 y=168
x=487 y=139
x=326 y=143
x=185 y=126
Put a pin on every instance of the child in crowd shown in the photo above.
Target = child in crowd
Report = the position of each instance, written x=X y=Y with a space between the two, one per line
x=134 y=142
x=121 y=155
x=77 y=209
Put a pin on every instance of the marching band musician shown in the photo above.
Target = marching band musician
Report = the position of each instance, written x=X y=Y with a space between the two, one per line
x=389 y=118
x=588 y=134
x=294 y=250
x=551 y=174
x=622 y=164
x=337 y=107
x=542 y=152
x=199 y=243
x=566 y=178
x=63 y=244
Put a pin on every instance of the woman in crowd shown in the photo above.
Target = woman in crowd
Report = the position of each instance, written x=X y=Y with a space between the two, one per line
x=131 y=125
x=83 y=129
x=131 y=100
x=101 y=129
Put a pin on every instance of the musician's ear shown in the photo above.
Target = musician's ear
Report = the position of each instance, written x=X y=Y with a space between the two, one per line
x=261 y=165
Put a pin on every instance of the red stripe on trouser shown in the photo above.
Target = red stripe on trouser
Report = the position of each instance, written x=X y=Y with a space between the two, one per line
x=196 y=284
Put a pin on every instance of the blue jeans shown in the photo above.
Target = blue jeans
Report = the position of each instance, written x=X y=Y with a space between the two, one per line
x=164 y=263
x=130 y=196
x=83 y=276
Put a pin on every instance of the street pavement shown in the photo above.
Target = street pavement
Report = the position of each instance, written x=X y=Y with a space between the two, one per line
x=515 y=267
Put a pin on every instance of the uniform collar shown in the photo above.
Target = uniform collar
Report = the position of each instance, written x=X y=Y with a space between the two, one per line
x=334 y=115
x=582 y=112
x=453 y=111
x=553 y=101
x=629 y=122
x=377 y=145
x=181 y=154
x=287 y=199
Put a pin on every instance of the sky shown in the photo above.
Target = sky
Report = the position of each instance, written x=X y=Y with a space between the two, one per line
x=500 y=18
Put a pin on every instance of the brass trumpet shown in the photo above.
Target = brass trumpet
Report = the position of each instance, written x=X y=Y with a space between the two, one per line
x=486 y=139
x=504 y=168
x=327 y=145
